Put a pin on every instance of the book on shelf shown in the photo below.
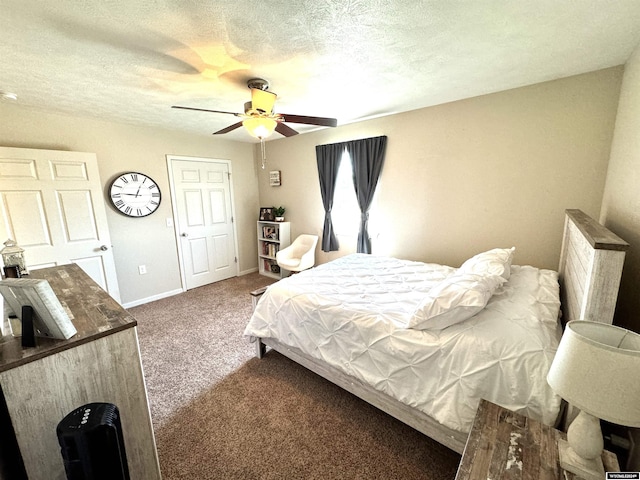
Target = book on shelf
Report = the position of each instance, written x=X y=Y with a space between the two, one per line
x=271 y=266
x=270 y=249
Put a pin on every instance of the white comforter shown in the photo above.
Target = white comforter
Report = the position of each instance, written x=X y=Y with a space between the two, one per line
x=350 y=313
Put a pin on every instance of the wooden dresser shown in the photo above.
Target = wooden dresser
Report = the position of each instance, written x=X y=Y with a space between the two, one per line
x=41 y=385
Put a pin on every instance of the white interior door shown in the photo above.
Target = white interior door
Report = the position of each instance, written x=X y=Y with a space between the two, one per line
x=201 y=191
x=53 y=206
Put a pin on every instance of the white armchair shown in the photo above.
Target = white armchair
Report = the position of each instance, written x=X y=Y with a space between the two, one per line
x=300 y=255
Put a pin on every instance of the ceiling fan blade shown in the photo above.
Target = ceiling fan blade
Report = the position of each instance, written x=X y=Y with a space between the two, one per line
x=322 y=121
x=285 y=130
x=205 y=110
x=228 y=129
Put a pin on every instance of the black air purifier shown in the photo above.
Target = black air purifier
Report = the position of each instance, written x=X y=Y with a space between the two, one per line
x=92 y=445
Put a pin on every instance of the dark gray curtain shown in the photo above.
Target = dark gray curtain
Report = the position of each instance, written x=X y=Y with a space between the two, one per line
x=367 y=158
x=328 y=158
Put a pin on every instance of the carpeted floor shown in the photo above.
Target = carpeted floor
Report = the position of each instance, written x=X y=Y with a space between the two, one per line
x=220 y=413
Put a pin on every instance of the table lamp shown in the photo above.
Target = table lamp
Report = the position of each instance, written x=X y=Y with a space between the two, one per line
x=596 y=369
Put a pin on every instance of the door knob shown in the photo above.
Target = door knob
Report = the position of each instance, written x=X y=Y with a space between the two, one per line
x=104 y=248
x=185 y=234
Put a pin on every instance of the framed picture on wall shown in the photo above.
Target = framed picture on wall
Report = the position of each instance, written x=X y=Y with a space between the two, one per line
x=274 y=178
x=266 y=214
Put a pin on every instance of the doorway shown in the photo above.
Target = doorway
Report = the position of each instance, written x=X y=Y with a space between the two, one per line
x=201 y=193
x=52 y=205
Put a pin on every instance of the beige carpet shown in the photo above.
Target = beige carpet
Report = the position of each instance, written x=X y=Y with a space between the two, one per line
x=220 y=413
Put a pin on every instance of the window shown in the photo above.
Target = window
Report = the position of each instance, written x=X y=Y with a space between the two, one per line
x=346 y=212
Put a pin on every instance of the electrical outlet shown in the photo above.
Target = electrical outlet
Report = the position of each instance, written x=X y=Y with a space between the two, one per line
x=142 y=269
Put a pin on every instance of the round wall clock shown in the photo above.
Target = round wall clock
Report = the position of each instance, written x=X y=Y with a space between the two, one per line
x=135 y=194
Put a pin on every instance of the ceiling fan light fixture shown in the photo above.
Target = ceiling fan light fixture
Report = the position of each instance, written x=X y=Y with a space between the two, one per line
x=260 y=127
x=262 y=100
x=260 y=120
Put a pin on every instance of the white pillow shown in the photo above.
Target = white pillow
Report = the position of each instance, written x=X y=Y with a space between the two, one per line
x=492 y=262
x=458 y=297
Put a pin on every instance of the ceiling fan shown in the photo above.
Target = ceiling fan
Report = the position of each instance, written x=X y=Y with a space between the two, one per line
x=259 y=118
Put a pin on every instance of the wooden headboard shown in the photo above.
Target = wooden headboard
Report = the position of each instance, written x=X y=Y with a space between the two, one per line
x=590 y=269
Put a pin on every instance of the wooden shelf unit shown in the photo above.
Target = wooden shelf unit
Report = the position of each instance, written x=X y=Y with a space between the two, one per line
x=272 y=237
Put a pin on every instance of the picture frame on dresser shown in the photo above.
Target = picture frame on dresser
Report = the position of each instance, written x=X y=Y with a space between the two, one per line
x=51 y=319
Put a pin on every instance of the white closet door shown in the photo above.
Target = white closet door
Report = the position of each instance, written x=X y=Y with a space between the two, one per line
x=201 y=191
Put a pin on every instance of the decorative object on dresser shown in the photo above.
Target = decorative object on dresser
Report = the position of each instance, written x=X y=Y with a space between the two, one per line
x=596 y=369
x=134 y=194
x=50 y=319
x=272 y=237
x=503 y=444
x=13 y=259
x=378 y=294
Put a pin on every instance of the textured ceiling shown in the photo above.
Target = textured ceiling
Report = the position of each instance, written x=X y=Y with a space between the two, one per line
x=129 y=61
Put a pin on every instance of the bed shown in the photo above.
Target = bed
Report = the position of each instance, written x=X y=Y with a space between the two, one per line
x=360 y=322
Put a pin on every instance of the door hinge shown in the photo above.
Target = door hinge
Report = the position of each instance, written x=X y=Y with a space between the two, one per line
x=235 y=259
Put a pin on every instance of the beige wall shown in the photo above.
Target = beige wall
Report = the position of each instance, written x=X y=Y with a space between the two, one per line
x=621 y=202
x=496 y=170
x=120 y=148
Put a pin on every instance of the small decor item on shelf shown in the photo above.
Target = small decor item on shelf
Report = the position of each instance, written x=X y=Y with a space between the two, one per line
x=266 y=214
x=13 y=259
x=270 y=233
x=279 y=213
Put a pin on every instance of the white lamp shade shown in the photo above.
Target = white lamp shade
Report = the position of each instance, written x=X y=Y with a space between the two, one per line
x=260 y=127
x=597 y=369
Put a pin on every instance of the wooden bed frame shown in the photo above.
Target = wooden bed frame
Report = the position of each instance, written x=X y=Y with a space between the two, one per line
x=590 y=270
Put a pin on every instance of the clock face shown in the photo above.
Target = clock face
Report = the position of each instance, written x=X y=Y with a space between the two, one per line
x=135 y=194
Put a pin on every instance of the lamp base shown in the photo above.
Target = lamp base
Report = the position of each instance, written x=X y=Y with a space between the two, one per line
x=572 y=462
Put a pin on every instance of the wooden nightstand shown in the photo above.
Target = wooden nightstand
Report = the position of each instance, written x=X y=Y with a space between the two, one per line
x=503 y=444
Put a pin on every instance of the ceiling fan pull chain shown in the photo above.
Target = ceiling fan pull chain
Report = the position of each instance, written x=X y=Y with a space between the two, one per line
x=264 y=152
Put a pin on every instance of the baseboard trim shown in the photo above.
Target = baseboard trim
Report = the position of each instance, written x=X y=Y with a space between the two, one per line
x=171 y=293
x=153 y=298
